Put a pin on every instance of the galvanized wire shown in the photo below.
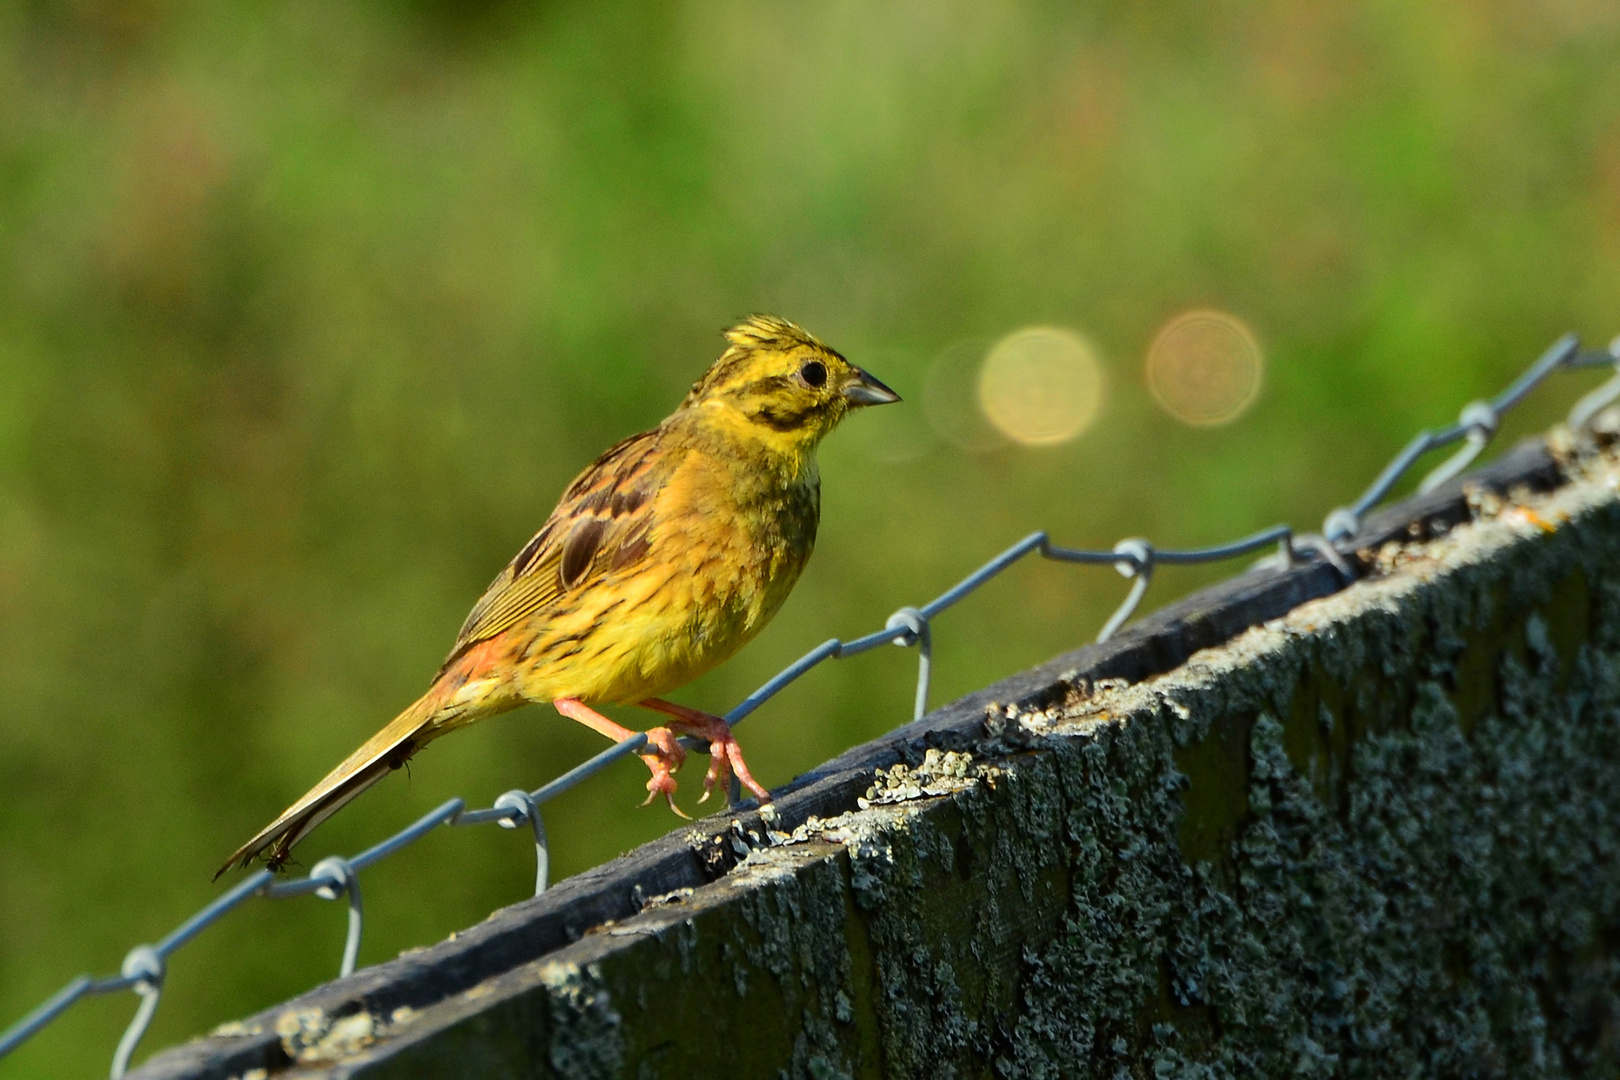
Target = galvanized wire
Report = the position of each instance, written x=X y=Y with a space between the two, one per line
x=145 y=967
x=1480 y=418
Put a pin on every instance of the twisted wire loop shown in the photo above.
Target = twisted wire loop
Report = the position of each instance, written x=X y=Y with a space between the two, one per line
x=1479 y=423
x=524 y=808
x=1598 y=400
x=144 y=968
x=338 y=877
x=1344 y=522
x=1135 y=562
x=918 y=633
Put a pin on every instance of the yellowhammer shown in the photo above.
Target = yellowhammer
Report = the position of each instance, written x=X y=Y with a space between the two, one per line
x=663 y=558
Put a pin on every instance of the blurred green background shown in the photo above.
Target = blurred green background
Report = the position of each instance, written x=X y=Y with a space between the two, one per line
x=309 y=310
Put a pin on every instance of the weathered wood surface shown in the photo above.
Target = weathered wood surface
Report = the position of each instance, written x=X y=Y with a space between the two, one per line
x=800 y=958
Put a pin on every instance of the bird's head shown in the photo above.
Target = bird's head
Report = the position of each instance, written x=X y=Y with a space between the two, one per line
x=779 y=385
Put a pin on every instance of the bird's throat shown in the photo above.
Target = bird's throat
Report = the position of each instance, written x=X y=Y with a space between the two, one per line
x=785 y=455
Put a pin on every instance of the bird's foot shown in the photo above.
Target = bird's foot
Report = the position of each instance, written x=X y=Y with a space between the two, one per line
x=726 y=761
x=664 y=755
x=725 y=755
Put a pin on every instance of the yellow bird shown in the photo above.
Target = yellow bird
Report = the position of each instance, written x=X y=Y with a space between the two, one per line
x=663 y=558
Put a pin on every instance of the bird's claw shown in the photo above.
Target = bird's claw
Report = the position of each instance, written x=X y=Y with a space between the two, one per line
x=663 y=756
x=662 y=783
x=726 y=761
x=719 y=774
x=669 y=796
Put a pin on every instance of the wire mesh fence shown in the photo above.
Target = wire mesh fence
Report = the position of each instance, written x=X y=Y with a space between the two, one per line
x=145 y=967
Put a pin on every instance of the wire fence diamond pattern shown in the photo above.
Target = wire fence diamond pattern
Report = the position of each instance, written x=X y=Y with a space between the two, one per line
x=146 y=966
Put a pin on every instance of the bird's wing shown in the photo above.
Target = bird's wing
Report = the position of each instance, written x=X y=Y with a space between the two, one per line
x=602 y=524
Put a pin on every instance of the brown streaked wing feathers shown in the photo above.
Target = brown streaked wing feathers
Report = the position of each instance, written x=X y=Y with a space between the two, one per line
x=600 y=524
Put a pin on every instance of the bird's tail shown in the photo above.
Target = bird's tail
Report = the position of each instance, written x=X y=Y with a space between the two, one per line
x=382 y=753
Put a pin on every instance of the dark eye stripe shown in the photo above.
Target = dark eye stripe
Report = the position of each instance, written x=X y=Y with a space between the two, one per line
x=782 y=419
x=767 y=386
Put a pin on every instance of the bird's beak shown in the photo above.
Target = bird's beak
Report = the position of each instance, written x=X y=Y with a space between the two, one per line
x=865 y=390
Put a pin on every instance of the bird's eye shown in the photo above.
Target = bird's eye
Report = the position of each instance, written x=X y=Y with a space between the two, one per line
x=814 y=373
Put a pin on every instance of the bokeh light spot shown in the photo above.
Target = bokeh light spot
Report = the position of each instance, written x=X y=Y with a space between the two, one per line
x=1041 y=386
x=1205 y=367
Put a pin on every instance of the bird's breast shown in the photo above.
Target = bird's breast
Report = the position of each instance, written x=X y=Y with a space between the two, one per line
x=743 y=546
x=726 y=548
